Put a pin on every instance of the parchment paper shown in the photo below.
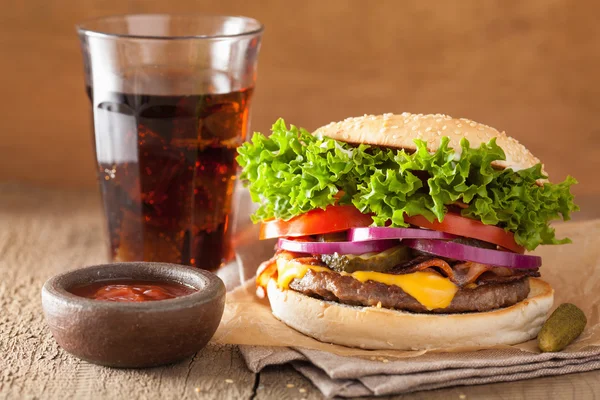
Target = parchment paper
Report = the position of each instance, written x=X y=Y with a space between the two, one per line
x=573 y=270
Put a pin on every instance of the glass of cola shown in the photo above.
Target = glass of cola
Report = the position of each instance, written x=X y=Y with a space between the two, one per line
x=170 y=100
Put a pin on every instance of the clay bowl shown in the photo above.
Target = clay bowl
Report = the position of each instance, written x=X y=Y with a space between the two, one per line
x=134 y=335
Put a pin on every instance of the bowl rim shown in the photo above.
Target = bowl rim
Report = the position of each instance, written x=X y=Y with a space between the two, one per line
x=208 y=286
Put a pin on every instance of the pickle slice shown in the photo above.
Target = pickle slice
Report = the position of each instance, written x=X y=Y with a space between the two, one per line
x=376 y=262
x=474 y=243
x=333 y=237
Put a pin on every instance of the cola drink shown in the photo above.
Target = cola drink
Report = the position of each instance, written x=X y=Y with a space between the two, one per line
x=167 y=169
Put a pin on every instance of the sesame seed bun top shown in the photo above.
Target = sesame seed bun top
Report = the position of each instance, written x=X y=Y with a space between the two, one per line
x=400 y=130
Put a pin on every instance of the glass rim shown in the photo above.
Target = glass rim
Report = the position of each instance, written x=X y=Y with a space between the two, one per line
x=83 y=30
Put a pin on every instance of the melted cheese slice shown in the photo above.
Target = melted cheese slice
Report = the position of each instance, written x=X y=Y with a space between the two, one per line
x=287 y=271
x=428 y=288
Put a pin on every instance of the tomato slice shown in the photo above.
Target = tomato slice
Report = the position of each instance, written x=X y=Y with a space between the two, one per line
x=341 y=218
x=316 y=222
x=462 y=226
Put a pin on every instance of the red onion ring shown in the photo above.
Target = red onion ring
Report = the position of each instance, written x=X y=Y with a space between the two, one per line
x=463 y=252
x=336 y=247
x=380 y=232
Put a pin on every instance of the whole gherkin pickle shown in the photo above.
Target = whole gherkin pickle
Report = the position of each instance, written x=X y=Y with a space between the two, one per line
x=564 y=326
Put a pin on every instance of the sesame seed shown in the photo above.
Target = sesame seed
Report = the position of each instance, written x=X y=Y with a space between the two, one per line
x=462 y=396
x=428 y=129
x=481 y=128
x=444 y=127
x=382 y=130
x=378 y=304
x=394 y=126
x=438 y=120
x=373 y=358
x=416 y=117
x=228 y=380
x=473 y=124
x=385 y=360
x=459 y=125
x=414 y=128
x=197 y=390
x=290 y=385
x=302 y=390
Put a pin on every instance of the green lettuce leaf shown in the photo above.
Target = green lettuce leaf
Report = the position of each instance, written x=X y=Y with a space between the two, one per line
x=292 y=172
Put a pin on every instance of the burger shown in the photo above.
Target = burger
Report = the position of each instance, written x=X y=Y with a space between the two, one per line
x=404 y=231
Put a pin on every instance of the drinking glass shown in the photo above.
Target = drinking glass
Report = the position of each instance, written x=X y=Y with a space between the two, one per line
x=170 y=99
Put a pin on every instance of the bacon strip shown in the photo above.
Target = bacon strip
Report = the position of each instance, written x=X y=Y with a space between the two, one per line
x=268 y=270
x=461 y=274
x=310 y=261
x=265 y=271
x=469 y=272
x=435 y=263
x=492 y=277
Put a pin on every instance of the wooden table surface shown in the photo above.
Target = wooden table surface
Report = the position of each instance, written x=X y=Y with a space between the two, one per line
x=44 y=232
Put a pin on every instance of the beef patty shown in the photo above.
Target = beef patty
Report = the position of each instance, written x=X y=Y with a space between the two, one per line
x=345 y=289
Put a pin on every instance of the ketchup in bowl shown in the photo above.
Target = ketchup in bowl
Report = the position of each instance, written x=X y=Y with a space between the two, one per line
x=128 y=290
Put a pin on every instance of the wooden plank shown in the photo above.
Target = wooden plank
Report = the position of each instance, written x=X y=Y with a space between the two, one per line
x=219 y=372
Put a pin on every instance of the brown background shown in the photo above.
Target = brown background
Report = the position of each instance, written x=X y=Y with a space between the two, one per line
x=531 y=68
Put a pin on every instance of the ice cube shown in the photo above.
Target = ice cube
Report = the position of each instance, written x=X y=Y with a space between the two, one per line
x=221 y=121
x=115 y=133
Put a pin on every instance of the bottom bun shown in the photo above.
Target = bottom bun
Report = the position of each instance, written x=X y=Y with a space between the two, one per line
x=381 y=328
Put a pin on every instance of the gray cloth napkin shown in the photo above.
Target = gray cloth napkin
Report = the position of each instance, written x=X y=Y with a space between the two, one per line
x=341 y=376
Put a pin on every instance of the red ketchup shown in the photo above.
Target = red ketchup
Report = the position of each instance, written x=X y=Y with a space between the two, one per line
x=128 y=290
